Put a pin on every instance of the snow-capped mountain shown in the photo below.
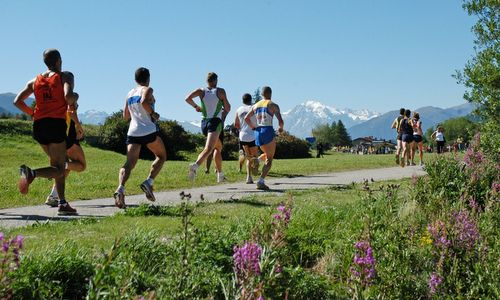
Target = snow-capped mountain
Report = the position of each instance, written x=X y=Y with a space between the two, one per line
x=93 y=117
x=191 y=126
x=301 y=119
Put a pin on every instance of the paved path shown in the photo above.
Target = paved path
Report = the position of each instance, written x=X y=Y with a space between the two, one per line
x=23 y=216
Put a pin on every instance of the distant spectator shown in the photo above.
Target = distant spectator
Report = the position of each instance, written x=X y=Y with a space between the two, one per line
x=438 y=136
x=319 y=150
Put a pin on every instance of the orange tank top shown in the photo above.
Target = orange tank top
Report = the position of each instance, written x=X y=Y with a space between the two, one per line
x=49 y=98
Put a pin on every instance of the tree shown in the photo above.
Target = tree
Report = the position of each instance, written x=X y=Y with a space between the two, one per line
x=326 y=134
x=462 y=127
x=481 y=74
x=343 y=138
x=256 y=97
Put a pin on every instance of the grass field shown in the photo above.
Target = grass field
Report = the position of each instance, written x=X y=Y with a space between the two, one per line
x=101 y=177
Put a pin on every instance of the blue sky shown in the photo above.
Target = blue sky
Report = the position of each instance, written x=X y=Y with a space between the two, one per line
x=378 y=55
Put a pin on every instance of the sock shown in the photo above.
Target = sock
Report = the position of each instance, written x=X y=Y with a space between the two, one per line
x=195 y=166
x=33 y=172
x=121 y=188
x=66 y=165
x=261 y=180
x=150 y=181
x=63 y=202
x=53 y=193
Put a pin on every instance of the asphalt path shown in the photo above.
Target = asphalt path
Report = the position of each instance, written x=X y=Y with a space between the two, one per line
x=99 y=208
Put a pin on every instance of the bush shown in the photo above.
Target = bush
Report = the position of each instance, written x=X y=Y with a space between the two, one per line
x=289 y=146
x=113 y=133
x=15 y=127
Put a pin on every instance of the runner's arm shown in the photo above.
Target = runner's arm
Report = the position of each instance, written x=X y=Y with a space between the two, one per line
x=72 y=110
x=191 y=96
x=69 y=95
x=126 y=112
x=223 y=97
x=147 y=99
x=248 y=118
x=22 y=96
x=237 y=124
x=277 y=113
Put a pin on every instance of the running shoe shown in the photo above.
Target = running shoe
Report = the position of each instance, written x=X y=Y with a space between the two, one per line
x=255 y=166
x=397 y=159
x=249 y=180
x=402 y=163
x=119 y=197
x=26 y=179
x=52 y=201
x=66 y=210
x=413 y=164
x=148 y=190
x=220 y=177
x=192 y=171
x=262 y=186
x=421 y=163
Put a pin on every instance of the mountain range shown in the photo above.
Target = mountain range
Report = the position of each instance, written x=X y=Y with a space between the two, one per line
x=301 y=119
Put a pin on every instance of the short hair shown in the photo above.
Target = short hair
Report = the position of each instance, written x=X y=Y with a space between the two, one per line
x=247 y=99
x=266 y=91
x=401 y=111
x=50 y=58
x=416 y=115
x=408 y=113
x=142 y=75
x=211 y=77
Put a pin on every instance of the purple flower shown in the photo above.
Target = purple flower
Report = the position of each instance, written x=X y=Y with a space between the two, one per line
x=247 y=259
x=284 y=214
x=278 y=269
x=434 y=282
x=465 y=230
x=439 y=234
x=20 y=241
x=281 y=208
x=1 y=236
x=364 y=263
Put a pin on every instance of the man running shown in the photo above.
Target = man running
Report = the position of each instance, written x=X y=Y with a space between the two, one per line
x=247 y=137
x=265 y=110
x=75 y=157
x=214 y=108
x=142 y=131
x=395 y=125
x=53 y=93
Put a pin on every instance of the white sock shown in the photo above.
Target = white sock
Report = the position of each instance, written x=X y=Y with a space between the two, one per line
x=150 y=181
x=195 y=166
x=66 y=165
x=121 y=188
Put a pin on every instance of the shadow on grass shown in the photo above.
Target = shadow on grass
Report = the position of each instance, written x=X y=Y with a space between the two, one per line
x=287 y=175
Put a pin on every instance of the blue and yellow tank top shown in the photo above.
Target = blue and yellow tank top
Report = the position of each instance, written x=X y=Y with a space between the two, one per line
x=262 y=114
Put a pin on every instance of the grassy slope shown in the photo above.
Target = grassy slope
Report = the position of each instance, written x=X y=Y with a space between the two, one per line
x=100 y=178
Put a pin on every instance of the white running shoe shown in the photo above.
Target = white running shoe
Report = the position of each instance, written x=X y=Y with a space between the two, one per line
x=148 y=190
x=220 y=177
x=192 y=171
x=119 y=197
x=52 y=201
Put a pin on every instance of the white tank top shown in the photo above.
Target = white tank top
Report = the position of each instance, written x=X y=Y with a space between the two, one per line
x=439 y=136
x=246 y=132
x=141 y=123
x=211 y=105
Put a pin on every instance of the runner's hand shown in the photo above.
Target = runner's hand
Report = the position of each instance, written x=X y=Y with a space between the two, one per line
x=197 y=108
x=79 y=133
x=155 y=116
x=280 y=130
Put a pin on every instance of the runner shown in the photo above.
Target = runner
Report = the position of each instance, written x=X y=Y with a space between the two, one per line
x=395 y=125
x=417 y=138
x=214 y=108
x=406 y=129
x=247 y=137
x=75 y=157
x=265 y=110
x=438 y=136
x=143 y=131
x=53 y=93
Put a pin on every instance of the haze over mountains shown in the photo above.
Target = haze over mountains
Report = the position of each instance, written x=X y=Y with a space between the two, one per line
x=301 y=119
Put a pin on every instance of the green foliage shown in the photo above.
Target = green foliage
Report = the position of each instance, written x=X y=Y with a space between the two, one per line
x=289 y=146
x=59 y=273
x=256 y=97
x=332 y=135
x=15 y=127
x=481 y=74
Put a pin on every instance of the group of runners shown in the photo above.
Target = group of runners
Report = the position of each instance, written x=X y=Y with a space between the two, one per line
x=409 y=137
x=57 y=129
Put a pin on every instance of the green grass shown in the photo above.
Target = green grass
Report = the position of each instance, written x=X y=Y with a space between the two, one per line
x=101 y=177
x=98 y=234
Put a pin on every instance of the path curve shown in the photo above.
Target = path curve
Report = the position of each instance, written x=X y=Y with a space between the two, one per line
x=25 y=216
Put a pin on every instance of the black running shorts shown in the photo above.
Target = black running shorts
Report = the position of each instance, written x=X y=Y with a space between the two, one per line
x=49 y=131
x=211 y=125
x=142 y=140
x=71 y=139
x=249 y=144
x=417 y=138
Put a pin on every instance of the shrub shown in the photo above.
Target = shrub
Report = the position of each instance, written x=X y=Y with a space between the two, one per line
x=15 y=127
x=289 y=146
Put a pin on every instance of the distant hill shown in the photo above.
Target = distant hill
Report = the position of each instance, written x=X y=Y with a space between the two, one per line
x=7 y=105
x=93 y=117
x=380 y=126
